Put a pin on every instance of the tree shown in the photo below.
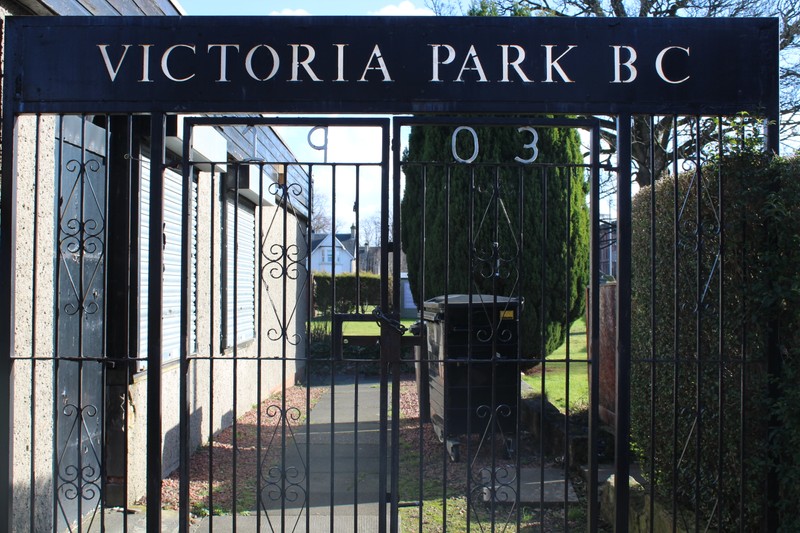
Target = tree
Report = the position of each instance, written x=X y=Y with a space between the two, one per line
x=320 y=214
x=787 y=11
x=482 y=227
x=371 y=229
x=480 y=238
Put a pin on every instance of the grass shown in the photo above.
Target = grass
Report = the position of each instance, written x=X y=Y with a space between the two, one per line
x=561 y=377
x=356 y=328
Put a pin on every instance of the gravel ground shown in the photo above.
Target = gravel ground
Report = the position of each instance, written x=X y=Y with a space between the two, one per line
x=218 y=459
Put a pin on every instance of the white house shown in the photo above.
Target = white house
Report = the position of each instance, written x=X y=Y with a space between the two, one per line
x=333 y=253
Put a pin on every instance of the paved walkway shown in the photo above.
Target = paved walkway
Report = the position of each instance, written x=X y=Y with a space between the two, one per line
x=337 y=464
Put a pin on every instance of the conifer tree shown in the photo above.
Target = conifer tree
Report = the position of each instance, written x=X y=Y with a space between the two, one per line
x=498 y=227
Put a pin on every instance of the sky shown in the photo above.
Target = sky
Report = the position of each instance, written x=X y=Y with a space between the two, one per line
x=305 y=7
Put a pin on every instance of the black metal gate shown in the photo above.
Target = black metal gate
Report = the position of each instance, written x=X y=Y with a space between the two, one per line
x=496 y=224
x=183 y=343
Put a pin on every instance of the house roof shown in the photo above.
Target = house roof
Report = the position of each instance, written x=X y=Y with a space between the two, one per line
x=324 y=239
x=345 y=240
x=106 y=8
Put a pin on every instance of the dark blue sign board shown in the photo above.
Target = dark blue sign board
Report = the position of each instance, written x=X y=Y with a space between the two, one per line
x=392 y=65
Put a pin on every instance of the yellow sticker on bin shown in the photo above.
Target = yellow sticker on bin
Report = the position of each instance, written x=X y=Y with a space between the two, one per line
x=507 y=314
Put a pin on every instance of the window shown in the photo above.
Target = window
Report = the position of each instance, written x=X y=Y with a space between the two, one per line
x=173 y=251
x=327 y=256
x=239 y=275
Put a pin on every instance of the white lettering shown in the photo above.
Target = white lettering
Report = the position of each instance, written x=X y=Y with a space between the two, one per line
x=340 y=62
x=514 y=64
x=248 y=62
x=223 y=59
x=476 y=61
x=146 y=62
x=618 y=64
x=660 y=64
x=552 y=64
x=376 y=54
x=306 y=63
x=165 y=62
x=112 y=72
x=451 y=55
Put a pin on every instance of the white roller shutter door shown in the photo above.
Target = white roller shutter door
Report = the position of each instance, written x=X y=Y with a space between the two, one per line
x=171 y=297
x=243 y=263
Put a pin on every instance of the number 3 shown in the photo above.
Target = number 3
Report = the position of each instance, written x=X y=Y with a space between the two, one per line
x=531 y=145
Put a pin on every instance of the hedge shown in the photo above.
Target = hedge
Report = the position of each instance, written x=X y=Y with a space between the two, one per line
x=369 y=283
x=745 y=265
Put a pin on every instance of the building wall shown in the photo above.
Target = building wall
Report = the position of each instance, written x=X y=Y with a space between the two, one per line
x=280 y=360
x=32 y=380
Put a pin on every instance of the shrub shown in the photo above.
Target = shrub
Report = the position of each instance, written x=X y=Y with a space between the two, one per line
x=346 y=297
x=698 y=379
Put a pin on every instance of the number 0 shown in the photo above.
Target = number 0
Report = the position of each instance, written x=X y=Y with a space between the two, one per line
x=474 y=140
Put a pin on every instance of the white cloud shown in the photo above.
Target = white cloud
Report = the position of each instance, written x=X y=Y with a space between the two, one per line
x=403 y=8
x=288 y=12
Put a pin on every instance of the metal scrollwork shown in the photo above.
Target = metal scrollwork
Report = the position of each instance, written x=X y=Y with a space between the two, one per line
x=283 y=482
x=81 y=238
x=74 y=481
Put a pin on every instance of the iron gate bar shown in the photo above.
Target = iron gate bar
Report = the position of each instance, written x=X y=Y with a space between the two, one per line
x=721 y=352
x=154 y=302
x=623 y=366
x=101 y=504
x=675 y=314
x=332 y=463
x=594 y=332
x=653 y=351
x=698 y=183
x=56 y=363
x=183 y=421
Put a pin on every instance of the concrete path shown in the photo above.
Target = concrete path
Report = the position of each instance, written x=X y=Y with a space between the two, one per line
x=332 y=470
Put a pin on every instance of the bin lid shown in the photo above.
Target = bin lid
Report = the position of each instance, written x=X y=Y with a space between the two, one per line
x=437 y=304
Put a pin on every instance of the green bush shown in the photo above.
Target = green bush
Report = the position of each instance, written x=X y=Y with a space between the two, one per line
x=705 y=390
x=346 y=297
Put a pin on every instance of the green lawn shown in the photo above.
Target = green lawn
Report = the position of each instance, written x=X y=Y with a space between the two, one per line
x=557 y=380
x=356 y=328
